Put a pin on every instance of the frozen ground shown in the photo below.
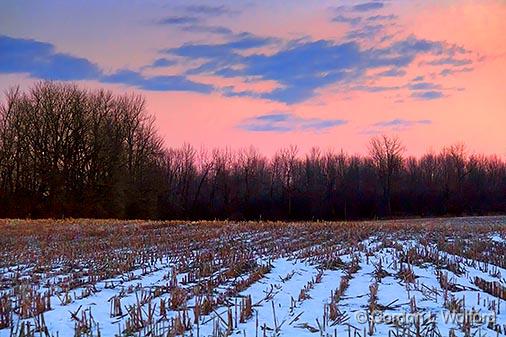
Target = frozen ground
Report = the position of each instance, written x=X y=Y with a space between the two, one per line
x=293 y=281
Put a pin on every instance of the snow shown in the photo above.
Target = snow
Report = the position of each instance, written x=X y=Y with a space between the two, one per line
x=276 y=303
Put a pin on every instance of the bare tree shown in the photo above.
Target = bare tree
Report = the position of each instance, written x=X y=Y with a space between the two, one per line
x=386 y=153
x=287 y=159
x=69 y=151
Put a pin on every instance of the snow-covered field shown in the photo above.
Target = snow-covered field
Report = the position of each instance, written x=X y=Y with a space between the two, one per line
x=427 y=277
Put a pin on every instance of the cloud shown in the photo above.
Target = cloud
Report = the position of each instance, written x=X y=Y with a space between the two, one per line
x=427 y=95
x=369 y=88
x=382 y=17
x=219 y=30
x=299 y=67
x=299 y=78
x=178 y=20
x=450 y=61
x=156 y=83
x=367 y=6
x=229 y=92
x=40 y=60
x=346 y=19
x=302 y=67
x=284 y=122
x=423 y=86
x=425 y=90
x=194 y=25
x=412 y=45
x=447 y=71
x=395 y=125
x=365 y=32
x=419 y=89
x=393 y=72
x=162 y=62
x=242 y=41
x=209 y=10
x=401 y=123
x=290 y=67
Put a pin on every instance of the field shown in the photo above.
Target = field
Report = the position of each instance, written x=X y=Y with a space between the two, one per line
x=426 y=277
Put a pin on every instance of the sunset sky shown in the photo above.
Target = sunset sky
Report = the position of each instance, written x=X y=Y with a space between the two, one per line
x=273 y=73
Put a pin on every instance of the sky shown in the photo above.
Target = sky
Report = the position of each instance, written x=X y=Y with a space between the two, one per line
x=270 y=74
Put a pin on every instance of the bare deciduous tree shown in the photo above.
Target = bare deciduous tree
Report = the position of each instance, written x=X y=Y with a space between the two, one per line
x=68 y=151
x=386 y=153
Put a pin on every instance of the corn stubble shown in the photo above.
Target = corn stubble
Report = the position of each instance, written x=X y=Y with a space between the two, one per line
x=206 y=267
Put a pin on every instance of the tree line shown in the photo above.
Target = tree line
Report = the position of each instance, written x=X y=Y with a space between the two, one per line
x=70 y=152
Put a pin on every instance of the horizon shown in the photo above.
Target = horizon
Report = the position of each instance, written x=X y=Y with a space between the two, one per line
x=326 y=74
x=259 y=168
